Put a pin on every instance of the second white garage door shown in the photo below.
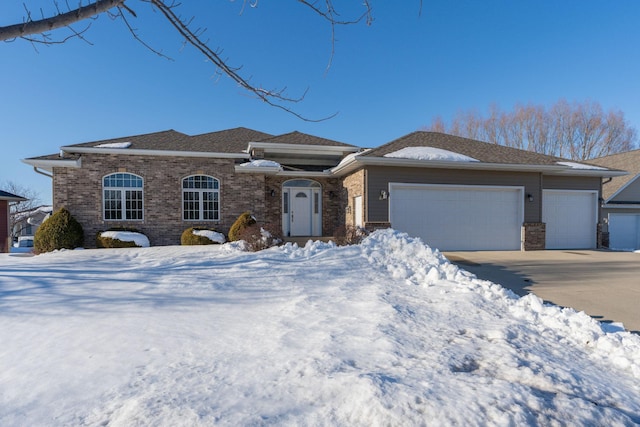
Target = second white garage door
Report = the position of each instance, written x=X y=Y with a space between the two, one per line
x=452 y=217
x=571 y=218
x=624 y=231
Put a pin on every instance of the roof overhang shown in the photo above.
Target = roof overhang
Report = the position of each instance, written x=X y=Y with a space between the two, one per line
x=307 y=149
x=621 y=205
x=359 y=161
x=627 y=184
x=49 y=164
x=13 y=198
x=163 y=153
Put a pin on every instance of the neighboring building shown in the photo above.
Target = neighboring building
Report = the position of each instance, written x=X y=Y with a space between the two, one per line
x=621 y=204
x=26 y=223
x=5 y=234
x=454 y=192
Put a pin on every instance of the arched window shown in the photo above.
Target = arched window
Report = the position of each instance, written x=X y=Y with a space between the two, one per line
x=200 y=198
x=122 y=197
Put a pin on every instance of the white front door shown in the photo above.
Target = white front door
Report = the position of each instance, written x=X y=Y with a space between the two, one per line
x=300 y=212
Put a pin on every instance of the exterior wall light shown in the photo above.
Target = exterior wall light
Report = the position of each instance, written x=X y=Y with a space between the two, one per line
x=384 y=195
x=530 y=197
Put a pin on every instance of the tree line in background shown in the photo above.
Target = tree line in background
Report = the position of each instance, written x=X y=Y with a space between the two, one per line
x=577 y=131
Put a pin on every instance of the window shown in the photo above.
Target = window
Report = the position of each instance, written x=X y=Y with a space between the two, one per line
x=200 y=198
x=122 y=197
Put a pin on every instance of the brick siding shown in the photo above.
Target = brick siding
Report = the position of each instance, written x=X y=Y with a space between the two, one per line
x=533 y=236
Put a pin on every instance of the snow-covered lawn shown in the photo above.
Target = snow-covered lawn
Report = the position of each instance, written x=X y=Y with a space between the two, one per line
x=384 y=333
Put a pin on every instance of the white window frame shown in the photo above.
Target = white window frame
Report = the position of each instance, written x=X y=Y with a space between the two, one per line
x=123 y=195
x=201 y=192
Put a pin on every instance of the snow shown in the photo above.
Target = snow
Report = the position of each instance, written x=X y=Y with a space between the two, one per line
x=128 y=236
x=261 y=164
x=114 y=145
x=383 y=333
x=214 y=236
x=574 y=165
x=429 y=153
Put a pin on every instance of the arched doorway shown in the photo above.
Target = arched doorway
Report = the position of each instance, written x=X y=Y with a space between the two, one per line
x=301 y=208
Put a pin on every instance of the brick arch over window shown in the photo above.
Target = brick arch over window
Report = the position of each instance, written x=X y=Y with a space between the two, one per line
x=200 y=198
x=122 y=197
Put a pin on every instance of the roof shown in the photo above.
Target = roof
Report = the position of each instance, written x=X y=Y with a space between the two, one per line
x=299 y=138
x=482 y=151
x=9 y=196
x=628 y=161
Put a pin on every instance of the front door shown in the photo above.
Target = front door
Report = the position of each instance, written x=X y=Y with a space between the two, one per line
x=300 y=212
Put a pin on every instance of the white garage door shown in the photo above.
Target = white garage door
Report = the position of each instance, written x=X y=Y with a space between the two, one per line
x=451 y=217
x=571 y=218
x=624 y=231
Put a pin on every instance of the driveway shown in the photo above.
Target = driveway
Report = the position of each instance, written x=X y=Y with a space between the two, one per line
x=603 y=284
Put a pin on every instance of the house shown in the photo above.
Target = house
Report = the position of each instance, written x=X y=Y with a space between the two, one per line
x=621 y=204
x=454 y=192
x=26 y=223
x=5 y=232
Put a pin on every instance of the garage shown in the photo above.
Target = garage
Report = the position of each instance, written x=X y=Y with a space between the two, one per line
x=459 y=217
x=624 y=231
x=571 y=218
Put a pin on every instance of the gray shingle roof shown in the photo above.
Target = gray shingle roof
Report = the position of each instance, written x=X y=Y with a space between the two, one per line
x=482 y=151
x=629 y=161
x=303 y=139
x=4 y=195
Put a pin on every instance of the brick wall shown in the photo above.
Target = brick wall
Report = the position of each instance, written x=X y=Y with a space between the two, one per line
x=354 y=185
x=80 y=191
x=533 y=236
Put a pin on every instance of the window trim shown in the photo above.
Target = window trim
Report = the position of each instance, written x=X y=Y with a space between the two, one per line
x=123 y=198
x=216 y=212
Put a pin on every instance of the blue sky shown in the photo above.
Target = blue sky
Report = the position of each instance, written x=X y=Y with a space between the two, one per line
x=385 y=81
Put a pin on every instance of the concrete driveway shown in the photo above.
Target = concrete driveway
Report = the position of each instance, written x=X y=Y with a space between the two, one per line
x=603 y=284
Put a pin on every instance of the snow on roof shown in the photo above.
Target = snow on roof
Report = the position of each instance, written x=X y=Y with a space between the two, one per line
x=114 y=145
x=261 y=164
x=429 y=153
x=574 y=165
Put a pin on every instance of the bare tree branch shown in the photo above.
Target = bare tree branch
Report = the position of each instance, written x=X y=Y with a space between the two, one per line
x=31 y=27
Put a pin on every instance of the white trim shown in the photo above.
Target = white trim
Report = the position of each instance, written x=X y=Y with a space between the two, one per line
x=301 y=148
x=50 y=164
x=201 y=200
x=621 y=206
x=123 y=198
x=267 y=170
x=358 y=161
x=624 y=187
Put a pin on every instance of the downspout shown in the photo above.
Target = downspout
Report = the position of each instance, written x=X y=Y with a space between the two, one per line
x=35 y=169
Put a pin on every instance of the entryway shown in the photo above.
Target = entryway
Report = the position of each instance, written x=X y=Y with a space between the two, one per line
x=301 y=208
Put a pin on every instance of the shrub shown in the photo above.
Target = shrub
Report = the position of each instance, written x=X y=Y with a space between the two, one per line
x=243 y=221
x=60 y=231
x=257 y=238
x=106 y=239
x=349 y=235
x=208 y=237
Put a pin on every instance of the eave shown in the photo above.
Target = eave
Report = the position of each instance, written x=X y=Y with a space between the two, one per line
x=163 y=153
x=360 y=161
x=48 y=165
x=307 y=149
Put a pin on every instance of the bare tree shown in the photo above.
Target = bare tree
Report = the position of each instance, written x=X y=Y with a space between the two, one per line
x=39 y=31
x=579 y=131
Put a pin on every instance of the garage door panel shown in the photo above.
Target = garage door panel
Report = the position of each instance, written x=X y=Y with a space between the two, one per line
x=570 y=218
x=624 y=231
x=459 y=217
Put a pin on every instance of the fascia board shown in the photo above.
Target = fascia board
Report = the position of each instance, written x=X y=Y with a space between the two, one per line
x=164 y=153
x=548 y=169
x=270 y=170
x=301 y=148
x=621 y=206
x=631 y=181
x=48 y=165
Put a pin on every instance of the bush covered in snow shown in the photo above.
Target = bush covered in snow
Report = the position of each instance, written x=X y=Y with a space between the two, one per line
x=122 y=238
x=201 y=236
x=257 y=238
x=349 y=235
x=244 y=220
x=60 y=231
